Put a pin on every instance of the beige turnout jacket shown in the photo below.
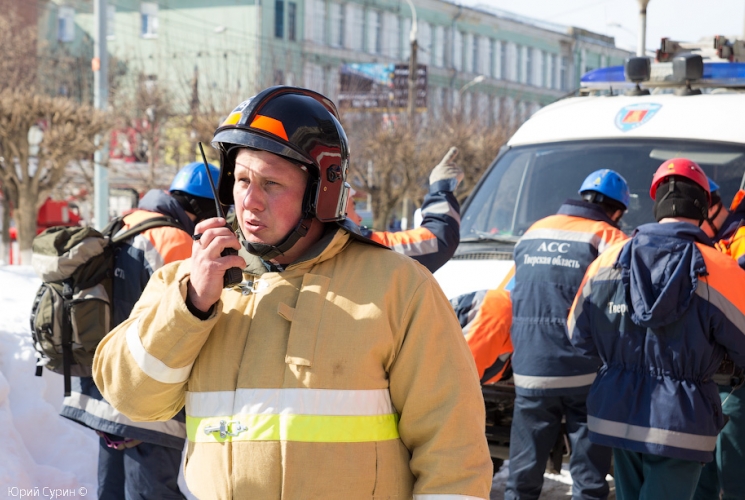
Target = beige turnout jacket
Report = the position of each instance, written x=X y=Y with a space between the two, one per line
x=346 y=376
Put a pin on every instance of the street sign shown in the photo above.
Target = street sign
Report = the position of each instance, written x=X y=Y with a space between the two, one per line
x=380 y=87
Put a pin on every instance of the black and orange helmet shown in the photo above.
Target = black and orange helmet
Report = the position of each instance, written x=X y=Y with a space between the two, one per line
x=299 y=125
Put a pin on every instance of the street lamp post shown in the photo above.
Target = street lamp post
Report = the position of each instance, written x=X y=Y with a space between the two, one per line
x=468 y=85
x=412 y=65
x=100 y=68
x=412 y=97
x=641 y=48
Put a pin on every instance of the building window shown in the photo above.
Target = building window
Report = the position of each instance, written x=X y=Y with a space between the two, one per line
x=495 y=105
x=467 y=52
x=355 y=27
x=475 y=54
x=391 y=39
x=447 y=48
x=291 y=21
x=485 y=56
x=425 y=43
x=336 y=31
x=110 y=21
x=563 y=74
x=313 y=77
x=405 y=41
x=519 y=63
x=555 y=71
x=502 y=60
x=528 y=66
x=457 y=50
x=374 y=31
x=319 y=21
x=66 y=24
x=438 y=46
x=583 y=68
x=149 y=17
x=279 y=18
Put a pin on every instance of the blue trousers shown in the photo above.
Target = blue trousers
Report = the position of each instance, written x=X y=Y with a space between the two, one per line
x=536 y=424
x=144 y=472
x=642 y=476
x=725 y=474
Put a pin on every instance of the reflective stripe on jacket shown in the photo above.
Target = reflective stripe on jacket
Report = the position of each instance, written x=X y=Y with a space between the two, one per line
x=550 y=261
x=136 y=260
x=659 y=349
x=433 y=243
x=343 y=376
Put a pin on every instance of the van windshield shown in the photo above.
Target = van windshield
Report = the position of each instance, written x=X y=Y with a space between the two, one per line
x=528 y=183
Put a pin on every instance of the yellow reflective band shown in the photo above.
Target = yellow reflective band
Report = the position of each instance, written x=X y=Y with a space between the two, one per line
x=232 y=119
x=305 y=428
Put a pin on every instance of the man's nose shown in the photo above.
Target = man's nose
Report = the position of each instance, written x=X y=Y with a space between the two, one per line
x=253 y=198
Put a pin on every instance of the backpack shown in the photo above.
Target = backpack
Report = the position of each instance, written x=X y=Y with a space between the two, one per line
x=71 y=312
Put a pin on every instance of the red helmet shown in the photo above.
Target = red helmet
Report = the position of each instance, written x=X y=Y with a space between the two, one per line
x=682 y=167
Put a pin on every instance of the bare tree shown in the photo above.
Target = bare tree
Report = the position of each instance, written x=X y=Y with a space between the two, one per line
x=18 y=38
x=403 y=157
x=152 y=110
x=392 y=150
x=29 y=171
x=184 y=132
x=477 y=147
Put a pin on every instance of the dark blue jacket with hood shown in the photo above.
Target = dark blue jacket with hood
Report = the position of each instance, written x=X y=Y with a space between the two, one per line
x=659 y=311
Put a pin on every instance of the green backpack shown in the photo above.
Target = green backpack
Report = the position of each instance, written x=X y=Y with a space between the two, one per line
x=72 y=309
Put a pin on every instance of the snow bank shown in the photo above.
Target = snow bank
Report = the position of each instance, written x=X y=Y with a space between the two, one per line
x=40 y=448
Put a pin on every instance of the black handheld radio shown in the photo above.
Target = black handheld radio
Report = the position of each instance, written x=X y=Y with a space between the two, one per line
x=234 y=275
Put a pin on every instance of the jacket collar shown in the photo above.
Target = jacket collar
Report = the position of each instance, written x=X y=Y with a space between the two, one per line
x=162 y=202
x=585 y=210
x=682 y=230
x=333 y=241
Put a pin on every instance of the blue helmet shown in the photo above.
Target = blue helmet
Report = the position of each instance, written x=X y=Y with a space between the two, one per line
x=608 y=183
x=713 y=186
x=192 y=180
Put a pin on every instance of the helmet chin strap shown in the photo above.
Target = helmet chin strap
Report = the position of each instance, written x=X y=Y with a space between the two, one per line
x=710 y=220
x=269 y=252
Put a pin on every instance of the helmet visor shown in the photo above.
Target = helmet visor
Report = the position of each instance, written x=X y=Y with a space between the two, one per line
x=255 y=141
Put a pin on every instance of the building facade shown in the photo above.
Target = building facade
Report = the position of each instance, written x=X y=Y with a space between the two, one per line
x=487 y=65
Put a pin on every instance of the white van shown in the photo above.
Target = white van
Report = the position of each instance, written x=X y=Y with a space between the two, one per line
x=547 y=159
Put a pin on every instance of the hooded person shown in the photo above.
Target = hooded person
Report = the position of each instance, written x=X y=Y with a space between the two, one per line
x=336 y=370
x=659 y=312
x=142 y=459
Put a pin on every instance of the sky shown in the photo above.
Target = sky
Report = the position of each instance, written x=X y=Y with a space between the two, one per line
x=681 y=20
x=42 y=450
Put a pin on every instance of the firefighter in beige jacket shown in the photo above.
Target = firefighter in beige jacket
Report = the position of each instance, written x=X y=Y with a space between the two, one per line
x=336 y=370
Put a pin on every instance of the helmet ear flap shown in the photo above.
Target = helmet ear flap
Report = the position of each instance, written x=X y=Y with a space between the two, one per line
x=226 y=179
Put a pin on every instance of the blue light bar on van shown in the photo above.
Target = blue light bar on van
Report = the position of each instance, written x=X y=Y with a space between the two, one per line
x=610 y=74
x=725 y=71
x=716 y=74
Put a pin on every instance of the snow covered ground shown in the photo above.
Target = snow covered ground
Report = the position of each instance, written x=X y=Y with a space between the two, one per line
x=42 y=450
